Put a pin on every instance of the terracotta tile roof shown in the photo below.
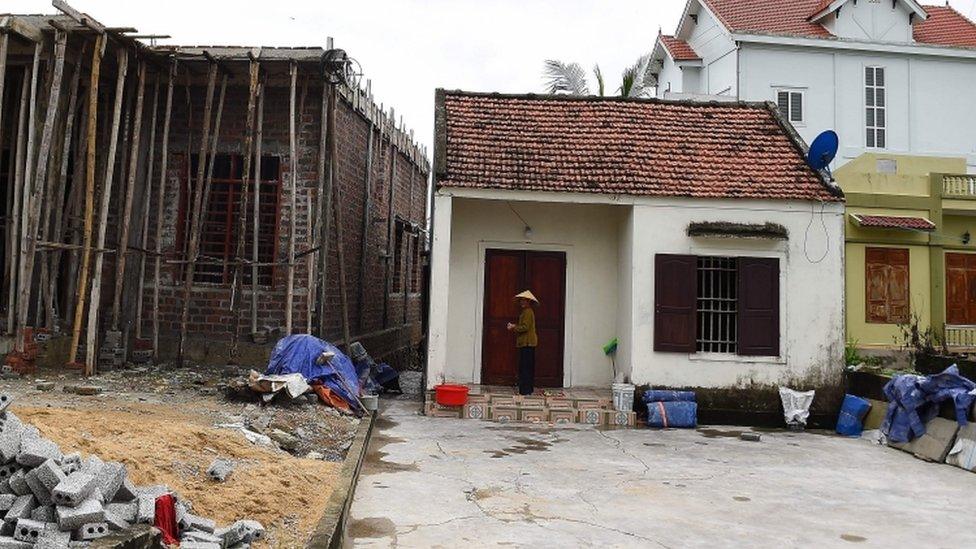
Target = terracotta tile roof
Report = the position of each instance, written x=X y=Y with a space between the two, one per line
x=944 y=27
x=894 y=222
x=679 y=49
x=621 y=146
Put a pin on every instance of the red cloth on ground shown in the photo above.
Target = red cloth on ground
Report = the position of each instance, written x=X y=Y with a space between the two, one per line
x=330 y=398
x=166 y=519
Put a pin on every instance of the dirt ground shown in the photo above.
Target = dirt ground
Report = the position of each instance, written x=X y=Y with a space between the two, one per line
x=167 y=426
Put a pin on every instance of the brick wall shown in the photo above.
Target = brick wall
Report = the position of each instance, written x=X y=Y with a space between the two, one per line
x=391 y=322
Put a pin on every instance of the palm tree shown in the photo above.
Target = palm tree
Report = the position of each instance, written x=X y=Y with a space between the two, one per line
x=570 y=78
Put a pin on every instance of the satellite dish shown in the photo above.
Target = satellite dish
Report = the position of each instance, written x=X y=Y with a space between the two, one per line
x=823 y=150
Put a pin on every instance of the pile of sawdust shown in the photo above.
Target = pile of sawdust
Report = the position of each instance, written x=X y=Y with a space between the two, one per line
x=159 y=445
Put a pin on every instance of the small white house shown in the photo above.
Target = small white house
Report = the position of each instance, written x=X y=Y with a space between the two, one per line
x=887 y=75
x=694 y=233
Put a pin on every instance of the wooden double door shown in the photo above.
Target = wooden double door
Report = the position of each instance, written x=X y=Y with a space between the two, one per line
x=508 y=272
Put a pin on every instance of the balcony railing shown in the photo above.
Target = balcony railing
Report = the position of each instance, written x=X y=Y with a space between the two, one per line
x=959 y=186
x=960 y=337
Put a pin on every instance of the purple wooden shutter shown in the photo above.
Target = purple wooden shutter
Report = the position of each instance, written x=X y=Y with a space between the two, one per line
x=675 y=296
x=758 y=306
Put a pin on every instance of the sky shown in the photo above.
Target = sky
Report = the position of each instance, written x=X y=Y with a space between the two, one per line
x=408 y=48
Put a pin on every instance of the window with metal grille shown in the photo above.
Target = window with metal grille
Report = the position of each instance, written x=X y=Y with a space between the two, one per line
x=416 y=268
x=221 y=220
x=717 y=308
x=790 y=104
x=875 y=107
x=398 y=262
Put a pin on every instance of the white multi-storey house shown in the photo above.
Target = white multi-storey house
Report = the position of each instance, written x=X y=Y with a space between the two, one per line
x=887 y=75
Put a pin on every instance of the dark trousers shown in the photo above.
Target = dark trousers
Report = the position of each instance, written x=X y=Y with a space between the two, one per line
x=526 y=370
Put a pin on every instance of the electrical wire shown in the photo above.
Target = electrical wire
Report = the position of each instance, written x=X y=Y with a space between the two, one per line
x=806 y=233
x=510 y=207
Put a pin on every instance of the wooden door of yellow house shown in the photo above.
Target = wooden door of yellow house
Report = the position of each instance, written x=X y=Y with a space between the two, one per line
x=887 y=283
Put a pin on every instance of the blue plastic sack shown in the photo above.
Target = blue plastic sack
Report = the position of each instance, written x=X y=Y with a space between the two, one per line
x=851 y=418
x=654 y=395
x=672 y=414
x=299 y=353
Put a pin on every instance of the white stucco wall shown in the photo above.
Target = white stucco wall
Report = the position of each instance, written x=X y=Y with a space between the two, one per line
x=587 y=233
x=875 y=20
x=611 y=243
x=929 y=100
x=717 y=73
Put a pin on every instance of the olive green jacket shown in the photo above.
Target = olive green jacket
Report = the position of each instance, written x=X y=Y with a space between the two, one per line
x=525 y=329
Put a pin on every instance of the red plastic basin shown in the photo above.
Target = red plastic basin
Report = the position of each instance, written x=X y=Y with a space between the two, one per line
x=448 y=394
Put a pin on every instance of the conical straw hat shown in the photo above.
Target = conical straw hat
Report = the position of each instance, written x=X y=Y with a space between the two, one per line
x=526 y=295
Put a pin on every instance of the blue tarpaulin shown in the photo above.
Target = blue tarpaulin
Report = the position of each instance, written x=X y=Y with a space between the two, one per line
x=914 y=400
x=298 y=354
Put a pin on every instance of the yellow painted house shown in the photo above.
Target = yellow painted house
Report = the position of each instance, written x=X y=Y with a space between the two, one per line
x=910 y=248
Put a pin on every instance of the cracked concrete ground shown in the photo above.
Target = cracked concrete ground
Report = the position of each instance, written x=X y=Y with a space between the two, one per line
x=431 y=482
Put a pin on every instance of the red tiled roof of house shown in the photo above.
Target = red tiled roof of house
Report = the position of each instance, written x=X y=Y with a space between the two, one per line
x=894 y=222
x=621 y=146
x=679 y=49
x=944 y=26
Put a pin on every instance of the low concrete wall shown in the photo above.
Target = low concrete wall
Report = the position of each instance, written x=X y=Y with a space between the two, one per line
x=331 y=529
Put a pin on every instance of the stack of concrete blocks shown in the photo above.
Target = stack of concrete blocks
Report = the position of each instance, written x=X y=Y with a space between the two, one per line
x=49 y=499
x=112 y=353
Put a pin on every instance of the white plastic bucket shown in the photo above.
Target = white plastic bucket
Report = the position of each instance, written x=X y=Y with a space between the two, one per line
x=370 y=402
x=623 y=397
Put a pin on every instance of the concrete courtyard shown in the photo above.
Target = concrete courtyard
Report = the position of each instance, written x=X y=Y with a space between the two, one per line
x=431 y=482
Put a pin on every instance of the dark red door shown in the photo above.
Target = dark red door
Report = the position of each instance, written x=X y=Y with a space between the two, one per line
x=508 y=272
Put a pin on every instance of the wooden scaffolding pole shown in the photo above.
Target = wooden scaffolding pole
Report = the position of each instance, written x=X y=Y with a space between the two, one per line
x=367 y=221
x=90 y=130
x=146 y=198
x=238 y=285
x=292 y=201
x=391 y=253
x=130 y=190
x=256 y=219
x=200 y=195
x=4 y=45
x=14 y=240
x=60 y=189
x=96 y=291
x=26 y=206
x=322 y=213
x=164 y=163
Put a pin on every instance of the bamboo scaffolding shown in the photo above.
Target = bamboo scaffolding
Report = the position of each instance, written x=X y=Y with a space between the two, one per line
x=26 y=207
x=237 y=286
x=96 y=290
x=321 y=214
x=164 y=162
x=310 y=269
x=19 y=167
x=4 y=45
x=367 y=220
x=75 y=215
x=53 y=264
x=199 y=203
x=292 y=202
x=120 y=260
x=391 y=253
x=256 y=230
x=146 y=198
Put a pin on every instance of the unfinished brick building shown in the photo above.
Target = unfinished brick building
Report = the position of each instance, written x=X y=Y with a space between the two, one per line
x=306 y=215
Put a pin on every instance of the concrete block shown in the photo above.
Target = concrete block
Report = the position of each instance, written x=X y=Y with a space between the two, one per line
x=115 y=522
x=126 y=492
x=109 y=479
x=42 y=479
x=126 y=511
x=189 y=544
x=44 y=513
x=195 y=522
x=18 y=483
x=242 y=531
x=91 y=530
x=7 y=501
x=219 y=470
x=88 y=511
x=53 y=539
x=934 y=445
x=8 y=469
x=92 y=465
x=71 y=463
x=28 y=530
x=8 y=542
x=74 y=489
x=9 y=420
x=5 y=401
x=198 y=536
x=154 y=491
x=146 y=509
x=35 y=451
x=5 y=487
x=21 y=508
x=963 y=451
x=10 y=443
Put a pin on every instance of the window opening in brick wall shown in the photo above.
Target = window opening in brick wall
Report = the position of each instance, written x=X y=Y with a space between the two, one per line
x=717 y=304
x=398 y=262
x=221 y=220
x=417 y=266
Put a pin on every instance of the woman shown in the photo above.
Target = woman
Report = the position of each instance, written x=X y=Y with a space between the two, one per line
x=525 y=341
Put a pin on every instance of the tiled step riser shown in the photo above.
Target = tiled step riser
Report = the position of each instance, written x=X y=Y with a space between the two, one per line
x=503 y=413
